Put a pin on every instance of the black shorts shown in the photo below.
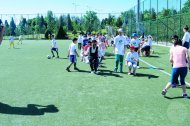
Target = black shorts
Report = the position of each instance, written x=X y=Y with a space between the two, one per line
x=146 y=48
x=136 y=49
x=54 y=49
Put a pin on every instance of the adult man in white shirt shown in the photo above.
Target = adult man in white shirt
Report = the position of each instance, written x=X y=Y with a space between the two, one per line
x=120 y=45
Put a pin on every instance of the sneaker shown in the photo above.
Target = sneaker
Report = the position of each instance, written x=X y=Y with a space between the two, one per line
x=76 y=68
x=67 y=69
x=134 y=73
x=164 y=92
x=115 y=70
x=185 y=95
x=53 y=56
x=96 y=72
x=138 y=67
x=92 y=72
x=129 y=73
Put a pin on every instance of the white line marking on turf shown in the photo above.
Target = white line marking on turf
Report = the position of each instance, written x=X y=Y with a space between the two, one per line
x=160 y=70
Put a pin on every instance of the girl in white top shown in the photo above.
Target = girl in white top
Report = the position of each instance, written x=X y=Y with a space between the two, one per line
x=11 y=39
x=131 y=60
x=186 y=37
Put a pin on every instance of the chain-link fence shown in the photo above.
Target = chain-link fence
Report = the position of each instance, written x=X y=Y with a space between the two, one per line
x=161 y=18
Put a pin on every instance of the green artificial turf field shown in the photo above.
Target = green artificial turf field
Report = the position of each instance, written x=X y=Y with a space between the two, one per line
x=36 y=91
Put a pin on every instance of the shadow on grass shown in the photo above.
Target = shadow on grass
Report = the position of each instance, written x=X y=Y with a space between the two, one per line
x=153 y=68
x=62 y=58
x=30 y=110
x=146 y=75
x=172 y=98
x=106 y=73
x=152 y=56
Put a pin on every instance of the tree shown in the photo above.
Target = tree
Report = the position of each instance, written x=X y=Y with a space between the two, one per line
x=186 y=7
x=7 y=29
x=91 y=21
x=69 y=23
x=61 y=34
x=12 y=27
x=119 y=22
x=23 y=26
x=50 y=22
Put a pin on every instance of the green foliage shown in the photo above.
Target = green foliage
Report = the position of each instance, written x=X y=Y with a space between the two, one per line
x=91 y=21
x=119 y=22
x=7 y=29
x=69 y=23
x=12 y=26
x=61 y=34
x=50 y=22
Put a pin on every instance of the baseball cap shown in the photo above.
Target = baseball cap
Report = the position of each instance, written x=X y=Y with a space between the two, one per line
x=132 y=47
x=134 y=35
x=120 y=30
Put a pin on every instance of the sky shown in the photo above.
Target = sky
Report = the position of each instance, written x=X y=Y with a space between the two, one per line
x=64 y=6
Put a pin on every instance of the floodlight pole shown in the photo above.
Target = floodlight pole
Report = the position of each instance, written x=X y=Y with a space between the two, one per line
x=138 y=17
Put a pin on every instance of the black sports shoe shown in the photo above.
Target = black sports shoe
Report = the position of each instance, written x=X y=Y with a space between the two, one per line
x=67 y=69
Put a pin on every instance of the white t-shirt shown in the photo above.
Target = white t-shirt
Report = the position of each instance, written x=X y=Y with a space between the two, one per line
x=11 y=38
x=20 y=37
x=131 y=57
x=135 y=42
x=186 y=37
x=72 y=49
x=54 y=44
x=120 y=42
x=80 y=39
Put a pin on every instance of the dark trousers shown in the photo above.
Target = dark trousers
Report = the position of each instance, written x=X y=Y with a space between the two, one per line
x=93 y=63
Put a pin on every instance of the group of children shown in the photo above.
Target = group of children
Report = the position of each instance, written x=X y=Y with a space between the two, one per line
x=93 y=50
x=12 y=39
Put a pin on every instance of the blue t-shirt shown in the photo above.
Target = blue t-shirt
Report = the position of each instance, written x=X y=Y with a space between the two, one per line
x=85 y=41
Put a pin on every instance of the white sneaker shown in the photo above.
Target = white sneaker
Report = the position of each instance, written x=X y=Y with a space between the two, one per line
x=138 y=67
x=92 y=72
x=129 y=73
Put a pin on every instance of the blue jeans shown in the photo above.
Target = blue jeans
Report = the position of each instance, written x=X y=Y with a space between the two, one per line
x=176 y=72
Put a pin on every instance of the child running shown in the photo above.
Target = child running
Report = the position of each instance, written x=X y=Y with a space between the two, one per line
x=72 y=53
x=131 y=60
x=93 y=57
x=54 y=47
x=20 y=39
x=11 y=39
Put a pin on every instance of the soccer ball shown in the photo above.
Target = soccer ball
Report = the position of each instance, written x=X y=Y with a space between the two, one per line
x=49 y=57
